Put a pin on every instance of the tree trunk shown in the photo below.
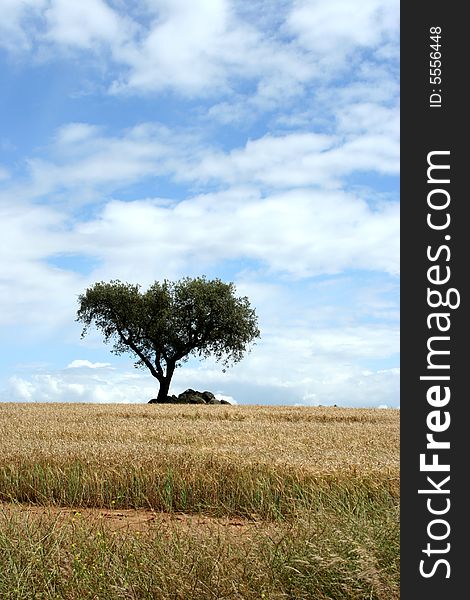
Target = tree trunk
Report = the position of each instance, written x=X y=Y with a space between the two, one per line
x=165 y=384
x=164 y=389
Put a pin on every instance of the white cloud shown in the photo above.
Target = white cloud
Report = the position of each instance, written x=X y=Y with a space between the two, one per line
x=344 y=386
x=23 y=390
x=75 y=132
x=226 y=398
x=374 y=390
x=75 y=385
x=31 y=291
x=369 y=118
x=86 y=162
x=302 y=233
x=80 y=363
x=200 y=47
x=39 y=298
x=300 y=159
x=333 y=29
x=84 y=23
x=207 y=48
x=15 y=36
x=83 y=158
x=177 y=50
x=22 y=222
x=313 y=360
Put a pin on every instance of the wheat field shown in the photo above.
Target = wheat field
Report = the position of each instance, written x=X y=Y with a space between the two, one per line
x=316 y=439
x=320 y=485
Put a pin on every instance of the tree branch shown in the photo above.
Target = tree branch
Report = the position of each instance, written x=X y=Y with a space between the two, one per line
x=158 y=364
x=141 y=355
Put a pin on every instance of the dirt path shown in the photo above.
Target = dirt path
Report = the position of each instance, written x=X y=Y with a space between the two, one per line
x=128 y=519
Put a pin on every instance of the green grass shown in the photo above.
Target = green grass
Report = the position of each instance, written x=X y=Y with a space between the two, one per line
x=213 y=486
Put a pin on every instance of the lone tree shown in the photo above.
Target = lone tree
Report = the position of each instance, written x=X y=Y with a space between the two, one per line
x=170 y=321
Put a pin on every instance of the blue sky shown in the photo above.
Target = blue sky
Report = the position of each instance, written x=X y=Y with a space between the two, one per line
x=254 y=141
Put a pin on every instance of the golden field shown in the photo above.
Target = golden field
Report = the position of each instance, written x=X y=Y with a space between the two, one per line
x=317 y=439
x=321 y=484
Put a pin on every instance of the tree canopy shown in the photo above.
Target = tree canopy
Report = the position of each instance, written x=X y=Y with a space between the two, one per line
x=170 y=322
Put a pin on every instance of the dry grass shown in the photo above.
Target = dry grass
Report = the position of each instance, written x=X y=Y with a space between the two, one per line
x=316 y=490
x=235 y=460
x=315 y=439
x=332 y=556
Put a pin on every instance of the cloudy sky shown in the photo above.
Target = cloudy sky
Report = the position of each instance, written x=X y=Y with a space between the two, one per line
x=253 y=141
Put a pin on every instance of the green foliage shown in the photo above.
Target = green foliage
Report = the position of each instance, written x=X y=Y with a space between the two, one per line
x=171 y=321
